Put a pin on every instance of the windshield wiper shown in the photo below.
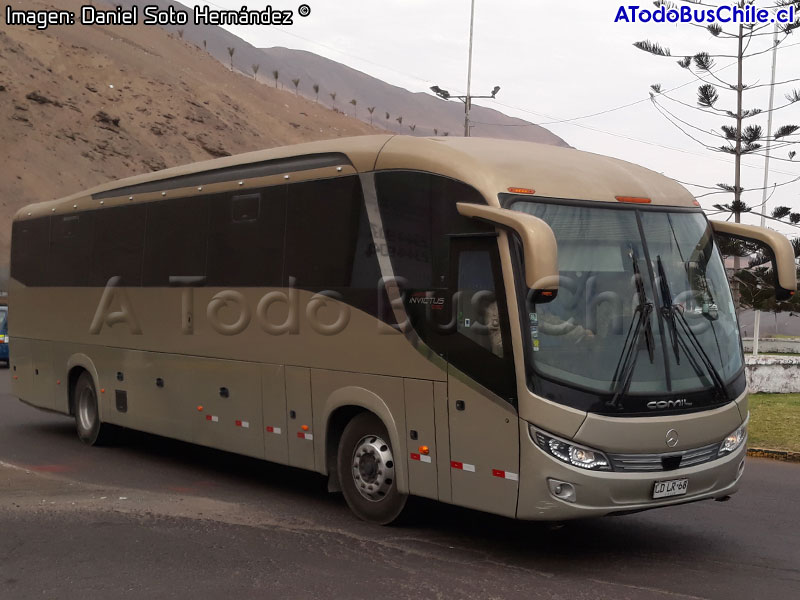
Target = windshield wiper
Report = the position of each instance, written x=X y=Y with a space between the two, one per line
x=719 y=384
x=668 y=308
x=623 y=374
x=670 y=312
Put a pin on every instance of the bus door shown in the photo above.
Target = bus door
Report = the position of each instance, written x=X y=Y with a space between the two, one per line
x=482 y=415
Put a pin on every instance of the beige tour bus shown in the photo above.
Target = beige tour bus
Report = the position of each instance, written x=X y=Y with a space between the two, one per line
x=522 y=329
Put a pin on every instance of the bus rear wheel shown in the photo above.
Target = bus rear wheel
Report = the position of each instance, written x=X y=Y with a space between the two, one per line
x=90 y=429
x=367 y=471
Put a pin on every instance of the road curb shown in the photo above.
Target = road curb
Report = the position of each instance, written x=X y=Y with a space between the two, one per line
x=784 y=455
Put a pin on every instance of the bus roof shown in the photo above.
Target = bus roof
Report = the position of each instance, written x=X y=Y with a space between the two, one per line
x=492 y=166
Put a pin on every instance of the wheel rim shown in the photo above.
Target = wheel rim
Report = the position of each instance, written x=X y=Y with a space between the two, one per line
x=373 y=468
x=87 y=409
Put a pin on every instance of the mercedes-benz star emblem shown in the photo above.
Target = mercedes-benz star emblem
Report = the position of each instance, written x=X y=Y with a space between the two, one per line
x=672 y=438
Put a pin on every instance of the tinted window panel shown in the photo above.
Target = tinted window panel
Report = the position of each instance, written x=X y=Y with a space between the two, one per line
x=70 y=249
x=118 y=245
x=245 y=245
x=419 y=213
x=175 y=240
x=30 y=246
x=480 y=345
x=322 y=228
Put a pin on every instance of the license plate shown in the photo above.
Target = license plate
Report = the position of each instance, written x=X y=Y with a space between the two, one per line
x=673 y=487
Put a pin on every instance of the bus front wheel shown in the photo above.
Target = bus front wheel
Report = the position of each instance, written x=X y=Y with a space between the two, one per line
x=367 y=471
x=91 y=430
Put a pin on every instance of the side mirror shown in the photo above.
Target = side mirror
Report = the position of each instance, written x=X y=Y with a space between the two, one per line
x=783 y=264
x=539 y=247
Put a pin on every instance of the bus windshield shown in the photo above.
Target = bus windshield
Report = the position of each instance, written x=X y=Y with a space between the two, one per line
x=689 y=337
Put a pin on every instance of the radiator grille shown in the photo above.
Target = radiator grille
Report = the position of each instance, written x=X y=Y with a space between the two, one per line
x=668 y=461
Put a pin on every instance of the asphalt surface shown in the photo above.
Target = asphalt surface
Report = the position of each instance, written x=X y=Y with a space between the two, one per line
x=155 y=518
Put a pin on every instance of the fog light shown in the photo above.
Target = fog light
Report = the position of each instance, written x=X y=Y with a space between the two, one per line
x=562 y=490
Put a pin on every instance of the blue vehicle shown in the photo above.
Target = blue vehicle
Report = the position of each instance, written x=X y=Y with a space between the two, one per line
x=4 y=335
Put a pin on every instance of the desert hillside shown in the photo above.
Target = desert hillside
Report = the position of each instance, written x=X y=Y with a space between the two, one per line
x=82 y=105
x=409 y=113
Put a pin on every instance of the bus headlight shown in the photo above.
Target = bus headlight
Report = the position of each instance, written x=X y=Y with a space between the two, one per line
x=567 y=452
x=733 y=441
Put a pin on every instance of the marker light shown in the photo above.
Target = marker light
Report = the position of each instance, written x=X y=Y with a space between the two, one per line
x=633 y=200
x=515 y=190
x=567 y=452
x=733 y=441
x=424 y=450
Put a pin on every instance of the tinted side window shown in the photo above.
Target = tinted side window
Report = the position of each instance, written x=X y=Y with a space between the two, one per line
x=480 y=346
x=245 y=243
x=175 y=240
x=419 y=212
x=30 y=244
x=70 y=249
x=118 y=245
x=322 y=226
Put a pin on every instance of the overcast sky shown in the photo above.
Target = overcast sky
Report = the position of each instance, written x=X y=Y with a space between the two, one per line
x=556 y=60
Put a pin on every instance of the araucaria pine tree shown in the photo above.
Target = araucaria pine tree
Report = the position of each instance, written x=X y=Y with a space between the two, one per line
x=740 y=131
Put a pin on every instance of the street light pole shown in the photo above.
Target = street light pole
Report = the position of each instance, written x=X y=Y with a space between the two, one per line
x=467 y=100
x=469 y=70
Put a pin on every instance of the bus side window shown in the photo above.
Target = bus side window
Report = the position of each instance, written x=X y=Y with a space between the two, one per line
x=322 y=224
x=70 y=249
x=118 y=245
x=480 y=346
x=30 y=251
x=477 y=312
x=176 y=240
x=245 y=241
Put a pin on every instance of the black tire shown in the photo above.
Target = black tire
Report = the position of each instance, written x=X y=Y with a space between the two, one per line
x=90 y=429
x=368 y=482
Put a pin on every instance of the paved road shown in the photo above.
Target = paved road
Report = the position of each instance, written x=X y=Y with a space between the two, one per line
x=154 y=518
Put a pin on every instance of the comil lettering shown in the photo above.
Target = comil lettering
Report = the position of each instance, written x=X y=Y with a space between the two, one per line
x=667 y=404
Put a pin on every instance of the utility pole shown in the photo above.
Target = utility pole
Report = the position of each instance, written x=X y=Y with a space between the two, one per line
x=757 y=316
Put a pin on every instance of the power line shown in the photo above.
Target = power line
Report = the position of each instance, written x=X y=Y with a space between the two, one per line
x=552 y=119
x=557 y=120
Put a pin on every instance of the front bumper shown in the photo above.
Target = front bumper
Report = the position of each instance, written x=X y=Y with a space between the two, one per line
x=599 y=493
